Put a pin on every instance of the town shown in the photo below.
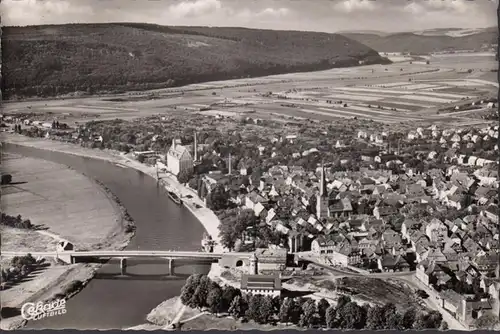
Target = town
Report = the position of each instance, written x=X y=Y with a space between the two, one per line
x=265 y=165
x=354 y=196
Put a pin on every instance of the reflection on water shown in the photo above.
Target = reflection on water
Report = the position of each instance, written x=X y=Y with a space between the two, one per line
x=111 y=301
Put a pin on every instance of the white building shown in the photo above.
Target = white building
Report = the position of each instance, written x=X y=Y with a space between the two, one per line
x=179 y=159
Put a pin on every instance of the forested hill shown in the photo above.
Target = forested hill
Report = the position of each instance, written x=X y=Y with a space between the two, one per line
x=59 y=59
x=421 y=43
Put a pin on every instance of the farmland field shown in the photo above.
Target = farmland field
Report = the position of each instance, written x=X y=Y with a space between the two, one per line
x=416 y=91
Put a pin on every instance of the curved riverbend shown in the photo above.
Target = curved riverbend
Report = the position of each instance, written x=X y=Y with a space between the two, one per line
x=111 y=301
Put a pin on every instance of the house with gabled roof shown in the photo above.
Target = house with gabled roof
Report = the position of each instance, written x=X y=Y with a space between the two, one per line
x=392 y=263
x=340 y=208
x=436 y=231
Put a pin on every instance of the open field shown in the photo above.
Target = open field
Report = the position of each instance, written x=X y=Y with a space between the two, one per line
x=381 y=87
x=64 y=203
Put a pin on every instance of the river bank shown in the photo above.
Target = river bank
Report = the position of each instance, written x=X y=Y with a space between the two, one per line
x=73 y=208
x=204 y=215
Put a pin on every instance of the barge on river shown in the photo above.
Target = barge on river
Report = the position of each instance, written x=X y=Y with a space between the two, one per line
x=174 y=197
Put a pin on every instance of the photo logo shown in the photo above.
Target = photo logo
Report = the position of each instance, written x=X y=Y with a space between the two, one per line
x=32 y=311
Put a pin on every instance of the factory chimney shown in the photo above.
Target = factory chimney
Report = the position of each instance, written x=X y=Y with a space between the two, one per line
x=195 y=147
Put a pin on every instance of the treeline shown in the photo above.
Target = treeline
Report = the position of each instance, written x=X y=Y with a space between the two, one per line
x=17 y=222
x=202 y=293
x=93 y=58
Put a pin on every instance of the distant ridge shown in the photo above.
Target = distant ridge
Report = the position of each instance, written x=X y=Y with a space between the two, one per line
x=59 y=59
x=427 y=41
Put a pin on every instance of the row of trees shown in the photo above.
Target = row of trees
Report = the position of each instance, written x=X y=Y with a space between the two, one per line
x=17 y=222
x=202 y=293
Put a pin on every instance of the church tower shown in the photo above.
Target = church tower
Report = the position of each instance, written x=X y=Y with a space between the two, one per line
x=322 y=199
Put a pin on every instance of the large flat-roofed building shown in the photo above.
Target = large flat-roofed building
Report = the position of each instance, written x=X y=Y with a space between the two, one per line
x=267 y=285
x=270 y=260
x=179 y=159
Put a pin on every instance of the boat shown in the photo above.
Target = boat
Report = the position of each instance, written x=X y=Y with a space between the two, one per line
x=174 y=197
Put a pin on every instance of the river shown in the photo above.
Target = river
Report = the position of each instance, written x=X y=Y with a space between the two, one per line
x=111 y=301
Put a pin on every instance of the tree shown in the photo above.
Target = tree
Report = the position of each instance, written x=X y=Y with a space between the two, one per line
x=420 y=321
x=394 y=321
x=389 y=311
x=486 y=321
x=444 y=326
x=254 y=305
x=229 y=293
x=331 y=317
x=266 y=310
x=193 y=183
x=233 y=223
x=218 y=198
x=309 y=313
x=409 y=318
x=424 y=320
x=351 y=316
x=276 y=304
x=200 y=295
x=184 y=177
x=189 y=288
x=214 y=299
x=238 y=307
x=6 y=178
x=342 y=301
x=375 y=318
x=434 y=319
x=323 y=305
x=286 y=309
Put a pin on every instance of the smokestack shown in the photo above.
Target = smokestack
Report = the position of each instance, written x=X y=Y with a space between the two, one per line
x=195 y=147
x=229 y=167
x=173 y=143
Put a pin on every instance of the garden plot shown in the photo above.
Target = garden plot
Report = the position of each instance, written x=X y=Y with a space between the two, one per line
x=396 y=93
x=398 y=106
x=451 y=96
x=426 y=98
x=373 y=116
x=391 y=114
x=462 y=83
x=355 y=97
x=405 y=102
x=76 y=109
x=329 y=114
x=370 y=110
x=419 y=86
x=434 y=88
x=390 y=85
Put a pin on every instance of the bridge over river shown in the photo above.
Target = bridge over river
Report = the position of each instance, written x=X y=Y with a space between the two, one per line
x=123 y=255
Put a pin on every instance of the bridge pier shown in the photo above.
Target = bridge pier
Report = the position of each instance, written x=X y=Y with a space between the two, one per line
x=171 y=271
x=123 y=266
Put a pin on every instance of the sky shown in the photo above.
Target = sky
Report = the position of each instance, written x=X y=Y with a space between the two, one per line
x=311 y=15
